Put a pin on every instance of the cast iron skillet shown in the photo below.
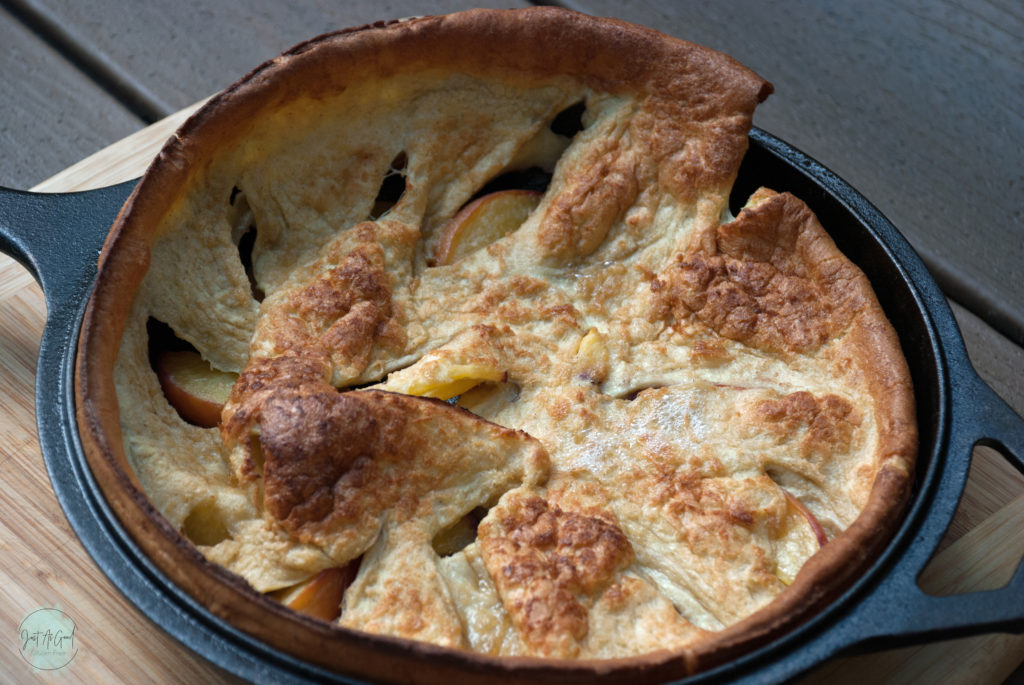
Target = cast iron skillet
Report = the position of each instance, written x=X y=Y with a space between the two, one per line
x=58 y=237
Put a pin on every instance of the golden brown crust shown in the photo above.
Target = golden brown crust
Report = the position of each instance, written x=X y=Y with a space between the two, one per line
x=772 y=279
x=345 y=310
x=823 y=423
x=579 y=220
x=623 y=278
x=542 y=558
x=332 y=459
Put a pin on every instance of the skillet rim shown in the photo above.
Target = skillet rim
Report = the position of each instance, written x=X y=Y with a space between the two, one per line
x=190 y=570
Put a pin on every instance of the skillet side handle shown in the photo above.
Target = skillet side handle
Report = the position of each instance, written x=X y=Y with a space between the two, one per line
x=1005 y=429
x=58 y=236
x=899 y=612
x=14 y=241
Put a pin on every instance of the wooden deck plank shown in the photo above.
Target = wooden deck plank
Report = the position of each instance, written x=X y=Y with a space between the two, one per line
x=50 y=116
x=184 y=51
x=918 y=105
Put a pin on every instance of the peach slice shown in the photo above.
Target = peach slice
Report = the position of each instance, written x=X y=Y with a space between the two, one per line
x=483 y=221
x=451 y=381
x=196 y=390
x=816 y=527
x=321 y=595
x=802 y=537
x=592 y=357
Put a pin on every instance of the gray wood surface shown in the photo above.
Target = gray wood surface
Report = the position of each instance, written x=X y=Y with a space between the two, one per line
x=50 y=116
x=918 y=104
x=179 y=52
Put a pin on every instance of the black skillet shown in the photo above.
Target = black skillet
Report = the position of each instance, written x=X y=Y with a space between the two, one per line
x=58 y=238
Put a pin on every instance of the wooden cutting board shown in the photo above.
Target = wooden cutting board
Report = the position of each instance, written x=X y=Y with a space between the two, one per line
x=42 y=564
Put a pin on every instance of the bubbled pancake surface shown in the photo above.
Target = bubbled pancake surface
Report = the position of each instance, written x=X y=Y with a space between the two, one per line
x=652 y=392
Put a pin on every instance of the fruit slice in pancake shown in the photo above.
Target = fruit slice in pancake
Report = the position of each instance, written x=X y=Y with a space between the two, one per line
x=484 y=221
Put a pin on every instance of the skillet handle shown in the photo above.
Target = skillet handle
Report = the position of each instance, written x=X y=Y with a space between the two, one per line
x=899 y=612
x=58 y=236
